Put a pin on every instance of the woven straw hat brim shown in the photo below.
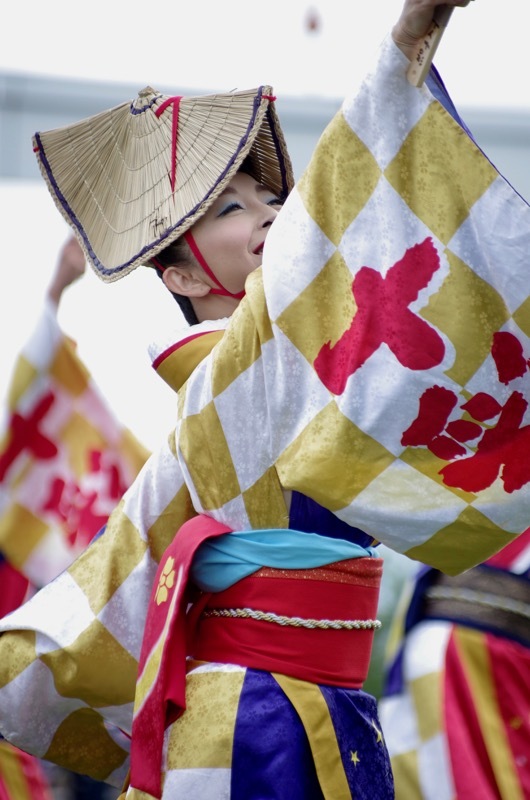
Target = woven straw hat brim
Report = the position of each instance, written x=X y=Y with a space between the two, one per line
x=111 y=175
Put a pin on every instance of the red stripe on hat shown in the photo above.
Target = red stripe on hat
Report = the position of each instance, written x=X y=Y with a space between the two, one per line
x=175 y=102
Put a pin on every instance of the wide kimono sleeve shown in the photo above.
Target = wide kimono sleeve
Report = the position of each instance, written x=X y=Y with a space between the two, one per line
x=65 y=458
x=69 y=656
x=379 y=363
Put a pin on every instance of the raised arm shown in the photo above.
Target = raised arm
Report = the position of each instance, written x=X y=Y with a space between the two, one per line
x=415 y=21
x=70 y=267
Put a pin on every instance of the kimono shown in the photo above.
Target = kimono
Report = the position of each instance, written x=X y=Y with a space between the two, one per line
x=456 y=705
x=364 y=371
x=65 y=459
x=64 y=463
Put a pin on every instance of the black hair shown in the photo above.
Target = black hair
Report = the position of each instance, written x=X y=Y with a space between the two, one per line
x=176 y=253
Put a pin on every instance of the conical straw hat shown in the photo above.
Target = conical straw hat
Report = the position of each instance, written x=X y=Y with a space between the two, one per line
x=132 y=179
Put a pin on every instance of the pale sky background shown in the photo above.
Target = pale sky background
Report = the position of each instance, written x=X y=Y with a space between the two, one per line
x=209 y=46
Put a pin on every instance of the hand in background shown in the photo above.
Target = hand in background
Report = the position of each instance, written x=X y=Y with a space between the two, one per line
x=70 y=267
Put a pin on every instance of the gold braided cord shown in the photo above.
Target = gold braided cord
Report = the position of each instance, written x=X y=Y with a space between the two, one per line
x=294 y=622
x=487 y=599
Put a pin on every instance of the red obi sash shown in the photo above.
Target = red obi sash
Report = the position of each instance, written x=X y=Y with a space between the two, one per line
x=316 y=625
x=335 y=606
x=160 y=687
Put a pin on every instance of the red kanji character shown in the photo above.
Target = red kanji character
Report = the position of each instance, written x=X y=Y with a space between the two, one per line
x=427 y=429
x=74 y=510
x=383 y=316
x=25 y=435
x=503 y=451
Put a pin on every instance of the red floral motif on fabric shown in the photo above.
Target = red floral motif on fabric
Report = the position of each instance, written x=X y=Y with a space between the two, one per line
x=383 y=316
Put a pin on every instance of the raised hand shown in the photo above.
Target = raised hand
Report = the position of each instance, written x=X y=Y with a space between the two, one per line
x=70 y=267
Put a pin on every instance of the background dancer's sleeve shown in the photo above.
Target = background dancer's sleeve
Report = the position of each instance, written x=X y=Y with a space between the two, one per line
x=65 y=459
x=71 y=652
x=65 y=462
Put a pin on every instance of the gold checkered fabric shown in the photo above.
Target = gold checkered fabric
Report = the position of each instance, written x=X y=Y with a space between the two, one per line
x=397 y=259
x=65 y=459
